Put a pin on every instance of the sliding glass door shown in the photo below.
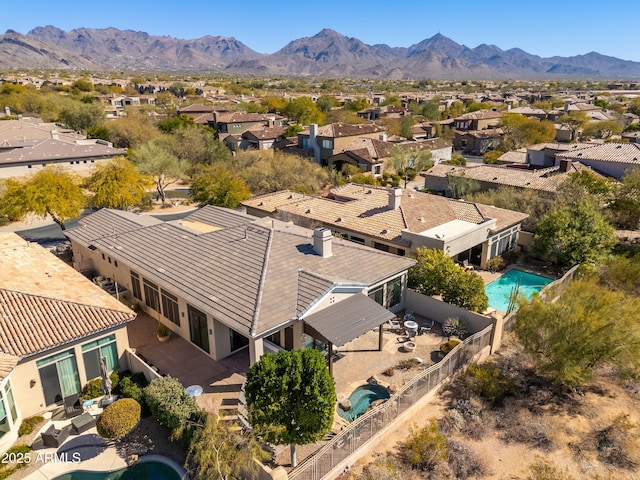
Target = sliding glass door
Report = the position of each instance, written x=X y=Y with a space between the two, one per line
x=59 y=376
x=198 y=328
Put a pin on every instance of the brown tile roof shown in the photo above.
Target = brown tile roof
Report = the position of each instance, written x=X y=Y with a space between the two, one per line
x=267 y=133
x=607 y=152
x=242 y=117
x=44 y=302
x=480 y=115
x=338 y=130
x=7 y=363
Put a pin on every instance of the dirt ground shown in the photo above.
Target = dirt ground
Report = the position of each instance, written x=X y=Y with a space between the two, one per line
x=572 y=426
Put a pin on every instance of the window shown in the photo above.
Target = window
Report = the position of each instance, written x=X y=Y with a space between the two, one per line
x=58 y=376
x=328 y=144
x=381 y=246
x=377 y=295
x=394 y=292
x=93 y=351
x=356 y=239
x=135 y=286
x=305 y=142
x=151 y=296
x=170 y=307
x=5 y=409
x=8 y=394
x=115 y=262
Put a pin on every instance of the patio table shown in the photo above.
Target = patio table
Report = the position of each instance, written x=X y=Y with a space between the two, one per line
x=194 y=390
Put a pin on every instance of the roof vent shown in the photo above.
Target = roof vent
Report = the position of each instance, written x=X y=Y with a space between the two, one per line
x=308 y=211
x=261 y=204
x=619 y=146
x=338 y=220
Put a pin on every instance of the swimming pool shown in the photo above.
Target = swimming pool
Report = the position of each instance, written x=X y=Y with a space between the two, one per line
x=361 y=399
x=500 y=289
x=147 y=470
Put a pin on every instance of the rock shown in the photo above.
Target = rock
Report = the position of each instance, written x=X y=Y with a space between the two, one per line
x=345 y=405
x=131 y=459
x=393 y=388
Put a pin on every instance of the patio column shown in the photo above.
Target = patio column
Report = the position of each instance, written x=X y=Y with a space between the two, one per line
x=380 y=338
x=256 y=350
x=484 y=256
x=297 y=335
x=330 y=358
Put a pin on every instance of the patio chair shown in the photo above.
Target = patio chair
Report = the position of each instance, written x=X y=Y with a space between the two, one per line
x=53 y=437
x=394 y=325
x=426 y=327
x=73 y=406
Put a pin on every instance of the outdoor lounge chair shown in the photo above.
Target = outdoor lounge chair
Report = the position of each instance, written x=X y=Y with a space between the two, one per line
x=73 y=406
x=426 y=327
x=83 y=423
x=394 y=325
x=53 y=437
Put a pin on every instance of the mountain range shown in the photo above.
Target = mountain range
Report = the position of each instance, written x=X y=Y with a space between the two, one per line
x=326 y=54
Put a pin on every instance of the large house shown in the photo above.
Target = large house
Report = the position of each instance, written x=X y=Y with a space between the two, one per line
x=327 y=140
x=55 y=324
x=225 y=281
x=399 y=221
x=27 y=146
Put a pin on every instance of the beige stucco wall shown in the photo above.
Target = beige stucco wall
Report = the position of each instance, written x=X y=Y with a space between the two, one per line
x=27 y=387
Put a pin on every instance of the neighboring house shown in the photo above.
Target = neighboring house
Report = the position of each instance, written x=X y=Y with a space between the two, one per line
x=480 y=120
x=631 y=137
x=261 y=138
x=227 y=281
x=611 y=159
x=488 y=177
x=55 y=324
x=399 y=221
x=386 y=111
x=201 y=114
x=27 y=147
x=327 y=140
x=237 y=123
x=477 y=142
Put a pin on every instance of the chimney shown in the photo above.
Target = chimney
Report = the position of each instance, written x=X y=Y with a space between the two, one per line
x=313 y=142
x=565 y=166
x=383 y=137
x=395 y=197
x=54 y=134
x=322 y=241
x=7 y=111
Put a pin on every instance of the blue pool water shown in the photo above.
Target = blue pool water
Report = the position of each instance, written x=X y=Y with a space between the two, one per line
x=499 y=290
x=361 y=398
x=140 y=471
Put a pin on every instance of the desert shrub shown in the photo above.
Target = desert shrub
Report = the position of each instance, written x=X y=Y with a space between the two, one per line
x=488 y=381
x=169 y=404
x=132 y=386
x=388 y=467
x=618 y=444
x=521 y=426
x=543 y=470
x=28 y=424
x=496 y=264
x=449 y=345
x=93 y=388
x=425 y=448
x=119 y=418
x=465 y=417
x=8 y=468
x=389 y=372
x=463 y=461
x=454 y=327
x=408 y=364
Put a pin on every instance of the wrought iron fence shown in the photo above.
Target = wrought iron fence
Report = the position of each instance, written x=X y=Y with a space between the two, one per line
x=361 y=430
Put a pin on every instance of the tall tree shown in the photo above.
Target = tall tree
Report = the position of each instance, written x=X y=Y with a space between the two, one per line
x=217 y=185
x=574 y=234
x=405 y=157
x=291 y=397
x=81 y=116
x=117 y=184
x=132 y=130
x=626 y=202
x=51 y=191
x=303 y=110
x=574 y=121
x=155 y=160
x=588 y=326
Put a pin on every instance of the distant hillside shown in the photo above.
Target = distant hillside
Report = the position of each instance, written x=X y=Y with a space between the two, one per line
x=328 y=54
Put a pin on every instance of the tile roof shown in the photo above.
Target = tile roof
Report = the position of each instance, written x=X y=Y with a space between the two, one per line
x=364 y=209
x=44 y=302
x=266 y=133
x=337 y=130
x=607 y=152
x=50 y=150
x=480 y=115
x=7 y=363
x=24 y=132
x=243 y=117
x=245 y=275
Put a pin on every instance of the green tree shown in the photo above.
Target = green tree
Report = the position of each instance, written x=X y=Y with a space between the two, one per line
x=521 y=200
x=196 y=145
x=520 y=131
x=574 y=234
x=216 y=452
x=82 y=85
x=81 y=116
x=219 y=186
x=356 y=104
x=425 y=448
x=626 y=201
x=588 y=326
x=51 y=191
x=291 y=397
x=404 y=157
x=172 y=124
x=492 y=156
x=327 y=102
x=303 y=110
x=117 y=184
x=574 y=121
x=459 y=186
x=155 y=160
x=435 y=273
x=132 y=130
x=602 y=129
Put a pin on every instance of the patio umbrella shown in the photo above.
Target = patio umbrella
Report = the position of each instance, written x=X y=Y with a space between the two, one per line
x=106 y=381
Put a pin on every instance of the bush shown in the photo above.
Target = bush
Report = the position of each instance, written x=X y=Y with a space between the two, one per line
x=162 y=330
x=454 y=327
x=488 y=381
x=28 y=424
x=408 y=364
x=496 y=264
x=169 y=404
x=425 y=448
x=8 y=468
x=93 y=388
x=618 y=444
x=389 y=372
x=543 y=470
x=446 y=347
x=131 y=385
x=119 y=418
x=464 y=462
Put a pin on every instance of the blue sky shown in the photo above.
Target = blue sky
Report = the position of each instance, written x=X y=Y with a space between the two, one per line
x=542 y=27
